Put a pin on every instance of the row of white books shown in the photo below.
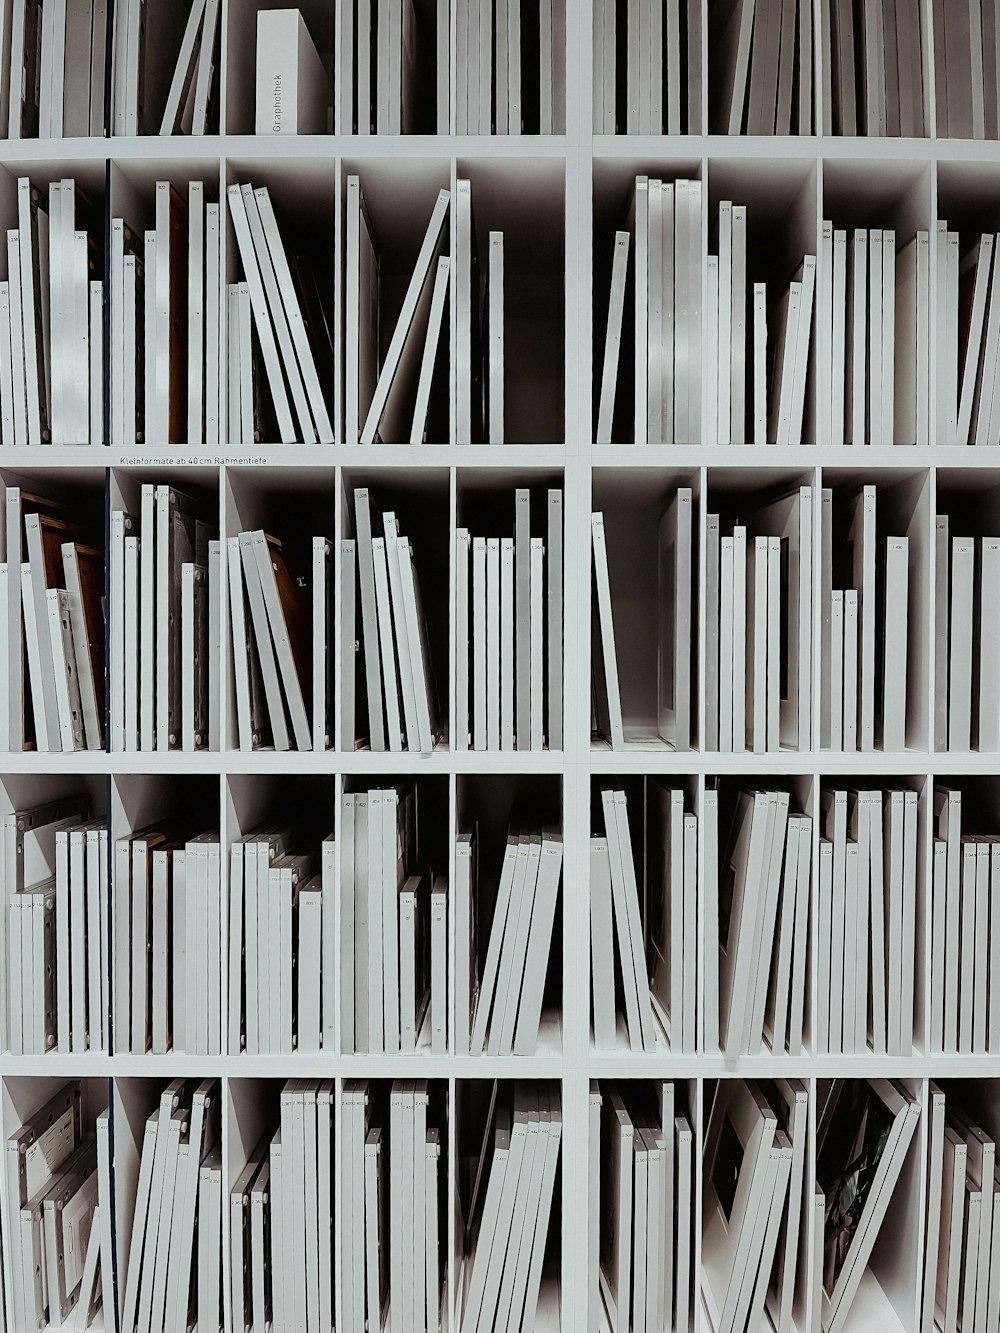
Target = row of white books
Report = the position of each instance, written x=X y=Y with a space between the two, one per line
x=863 y=703
x=968 y=329
x=394 y=67
x=754 y=1175
x=509 y=634
x=165 y=624
x=766 y=1244
x=866 y=922
x=54 y=880
x=641 y=1246
x=393 y=1266
x=388 y=385
x=759 y=926
x=164 y=323
x=755 y=392
x=873 y=68
x=172 y=1274
x=276 y=667
x=966 y=70
x=56 y=1174
x=393 y=929
x=759 y=589
x=400 y=689
x=675 y=632
x=966 y=660
x=873 y=337
x=510 y=67
x=647 y=67
x=282 y=961
x=280 y=1271
x=165 y=70
x=965 y=925
x=51 y=319
x=961 y=1284
x=765 y=54
x=55 y=76
x=52 y=628
x=167 y=943
x=281 y=317
x=506 y=995
x=507 y=1224
x=655 y=953
x=666 y=278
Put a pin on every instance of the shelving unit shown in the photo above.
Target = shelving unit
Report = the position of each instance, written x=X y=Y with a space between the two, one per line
x=559 y=199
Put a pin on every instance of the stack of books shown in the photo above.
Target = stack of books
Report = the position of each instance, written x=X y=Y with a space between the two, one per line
x=51 y=319
x=515 y=83
x=272 y=663
x=387 y=394
x=873 y=337
x=960 y=1285
x=965 y=925
x=508 y=1006
x=393 y=941
x=393 y=637
x=761 y=932
x=282 y=959
x=508 y=1217
x=51 y=620
x=58 y=1182
x=647 y=67
x=864 y=1128
x=54 y=873
x=656 y=958
x=873 y=68
x=759 y=590
x=508 y=617
x=641 y=1207
x=754 y=1167
x=167 y=943
x=165 y=624
x=966 y=680
x=165 y=329
x=863 y=645
x=55 y=76
x=965 y=70
x=394 y=67
x=281 y=1217
x=392 y=1173
x=967 y=329
x=165 y=66
x=664 y=234
x=172 y=1272
x=279 y=332
x=763 y=83
x=866 y=924
x=676 y=578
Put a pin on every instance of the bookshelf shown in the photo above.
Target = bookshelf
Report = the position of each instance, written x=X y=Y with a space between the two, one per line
x=558 y=199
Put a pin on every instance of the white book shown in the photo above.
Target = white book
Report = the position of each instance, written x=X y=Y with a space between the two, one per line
x=894 y=680
x=960 y=643
x=495 y=302
x=322 y=713
x=608 y=652
x=462 y=639
x=291 y=84
x=280 y=637
x=612 y=346
x=262 y=638
x=507 y=635
x=435 y=320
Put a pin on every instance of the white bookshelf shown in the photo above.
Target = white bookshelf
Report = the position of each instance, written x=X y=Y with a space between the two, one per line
x=558 y=198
